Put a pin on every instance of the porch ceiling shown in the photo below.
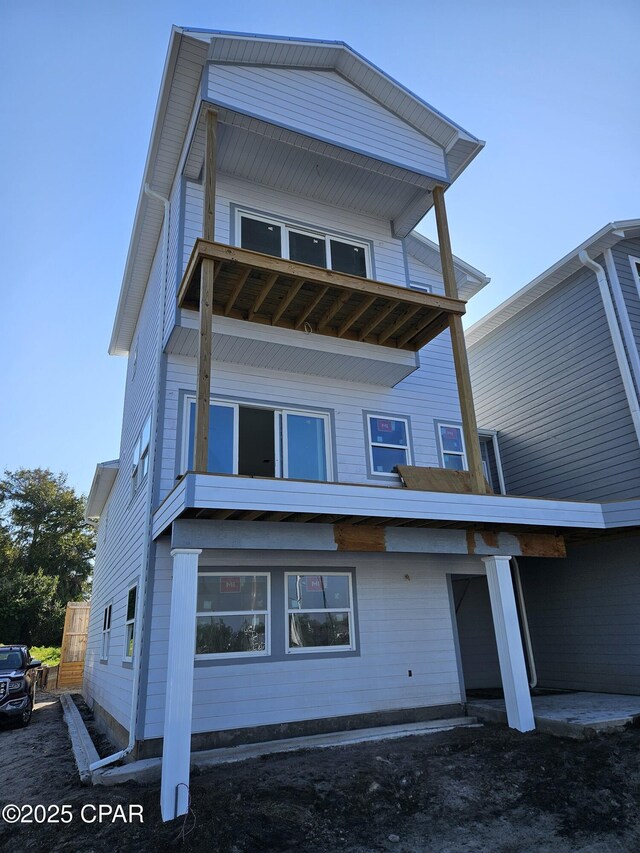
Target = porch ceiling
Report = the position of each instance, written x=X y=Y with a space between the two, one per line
x=277 y=292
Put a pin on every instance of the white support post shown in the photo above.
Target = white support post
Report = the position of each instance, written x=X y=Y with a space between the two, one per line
x=176 y=750
x=510 y=653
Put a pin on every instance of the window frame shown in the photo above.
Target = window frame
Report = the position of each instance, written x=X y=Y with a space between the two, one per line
x=635 y=271
x=268 y=615
x=308 y=231
x=371 y=444
x=352 y=647
x=140 y=457
x=106 y=632
x=281 y=463
x=442 y=451
x=130 y=625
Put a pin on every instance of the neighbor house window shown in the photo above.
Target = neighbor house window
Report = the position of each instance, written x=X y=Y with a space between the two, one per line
x=452 y=447
x=307 y=246
x=319 y=612
x=130 y=623
x=263 y=441
x=232 y=617
x=635 y=269
x=388 y=444
x=106 y=633
x=141 y=455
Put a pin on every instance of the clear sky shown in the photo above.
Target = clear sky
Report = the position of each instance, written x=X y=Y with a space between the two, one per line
x=551 y=85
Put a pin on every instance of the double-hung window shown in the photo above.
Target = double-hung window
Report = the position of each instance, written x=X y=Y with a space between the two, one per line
x=106 y=633
x=319 y=612
x=452 y=446
x=232 y=617
x=388 y=440
x=140 y=464
x=130 y=623
x=307 y=246
x=263 y=441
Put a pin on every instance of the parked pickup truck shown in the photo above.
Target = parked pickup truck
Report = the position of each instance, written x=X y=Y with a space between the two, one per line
x=17 y=684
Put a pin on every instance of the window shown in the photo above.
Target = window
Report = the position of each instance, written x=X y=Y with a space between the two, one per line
x=106 y=633
x=452 y=447
x=130 y=623
x=232 y=618
x=141 y=455
x=305 y=246
x=319 y=612
x=388 y=444
x=262 y=441
x=635 y=269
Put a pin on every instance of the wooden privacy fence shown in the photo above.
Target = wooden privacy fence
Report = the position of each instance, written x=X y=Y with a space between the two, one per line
x=74 y=644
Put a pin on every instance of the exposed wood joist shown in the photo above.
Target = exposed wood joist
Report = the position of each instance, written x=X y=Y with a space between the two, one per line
x=278 y=292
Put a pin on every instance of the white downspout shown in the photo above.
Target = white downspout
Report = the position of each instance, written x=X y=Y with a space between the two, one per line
x=616 y=337
x=146 y=545
x=623 y=315
x=533 y=675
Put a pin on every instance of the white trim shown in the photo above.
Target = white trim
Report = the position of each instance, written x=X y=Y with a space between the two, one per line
x=350 y=610
x=371 y=443
x=280 y=450
x=105 y=642
x=309 y=231
x=635 y=271
x=140 y=459
x=462 y=453
x=130 y=624
x=241 y=572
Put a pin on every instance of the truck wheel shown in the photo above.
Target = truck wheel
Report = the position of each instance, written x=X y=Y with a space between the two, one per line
x=25 y=718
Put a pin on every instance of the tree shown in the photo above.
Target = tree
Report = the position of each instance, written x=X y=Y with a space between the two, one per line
x=46 y=555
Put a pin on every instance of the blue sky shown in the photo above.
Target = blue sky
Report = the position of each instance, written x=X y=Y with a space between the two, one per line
x=551 y=86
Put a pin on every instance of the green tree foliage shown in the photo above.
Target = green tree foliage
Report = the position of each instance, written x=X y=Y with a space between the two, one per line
x=46 y=555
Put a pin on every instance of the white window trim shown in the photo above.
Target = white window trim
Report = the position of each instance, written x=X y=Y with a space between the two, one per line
x=308 y=231
x=635 y=271
x=106 y=632
x=266 y=613
x=462 y=453
x=371 y=443
x=279 y=413
x=140 y=458
x=350 y=610
x=130 y=623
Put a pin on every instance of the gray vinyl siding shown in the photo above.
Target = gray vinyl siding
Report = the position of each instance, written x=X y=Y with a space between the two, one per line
x=476 y=634
x=119 y=557
x=622 y=253
x=583 y=616
x=405 y=623
x=548 y=380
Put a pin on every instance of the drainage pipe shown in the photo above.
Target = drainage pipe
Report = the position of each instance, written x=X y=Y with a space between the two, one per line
x=146 y=545
x=524 y=622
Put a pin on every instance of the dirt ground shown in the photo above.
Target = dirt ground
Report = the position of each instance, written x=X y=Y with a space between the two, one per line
x=479 y=789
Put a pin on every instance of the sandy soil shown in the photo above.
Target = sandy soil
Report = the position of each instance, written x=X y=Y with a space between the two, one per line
x=486 y=789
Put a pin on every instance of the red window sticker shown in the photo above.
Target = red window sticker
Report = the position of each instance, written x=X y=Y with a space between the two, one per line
x=384 y=426
x=229 y=584
x=450 y=433
x=314 y=583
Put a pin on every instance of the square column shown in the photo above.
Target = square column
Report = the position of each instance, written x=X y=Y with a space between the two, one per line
x=176 y=750
x=510 y=653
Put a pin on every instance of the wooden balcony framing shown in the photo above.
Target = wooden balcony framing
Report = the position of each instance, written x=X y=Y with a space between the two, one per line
x=278 y=292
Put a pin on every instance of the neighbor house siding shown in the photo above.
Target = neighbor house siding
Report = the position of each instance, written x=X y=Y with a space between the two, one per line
x=405 y=625
x=622 y=254
x=119 y=559
x=322 y=104
x=549 y=381
x=583 y=616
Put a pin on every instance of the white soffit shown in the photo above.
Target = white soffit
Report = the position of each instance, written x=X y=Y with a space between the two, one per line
x=607 y=237
x=103 y=481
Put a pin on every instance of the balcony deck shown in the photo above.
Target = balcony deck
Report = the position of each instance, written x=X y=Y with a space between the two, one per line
x=278 y=292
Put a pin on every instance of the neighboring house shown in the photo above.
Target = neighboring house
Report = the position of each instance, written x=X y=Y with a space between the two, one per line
x=261 y=570
x=556 y=370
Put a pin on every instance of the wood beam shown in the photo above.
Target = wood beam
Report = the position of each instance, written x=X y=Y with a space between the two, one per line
x=380 y=318
x=356 y=314
x=337 y=305
x=291 y=295
x=312 y=306
x=264 y=292
x=242 y=280
x=207 y=278
x=469 y=424
x=395 y=327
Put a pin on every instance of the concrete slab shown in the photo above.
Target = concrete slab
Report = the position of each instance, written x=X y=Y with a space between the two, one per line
x=576 y=715
x=83 y=749
x=148 y=770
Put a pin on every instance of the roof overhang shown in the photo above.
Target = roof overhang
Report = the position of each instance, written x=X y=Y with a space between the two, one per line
x=468 y=278
x=103 y=480
x=607 y=237
x=189 y=51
